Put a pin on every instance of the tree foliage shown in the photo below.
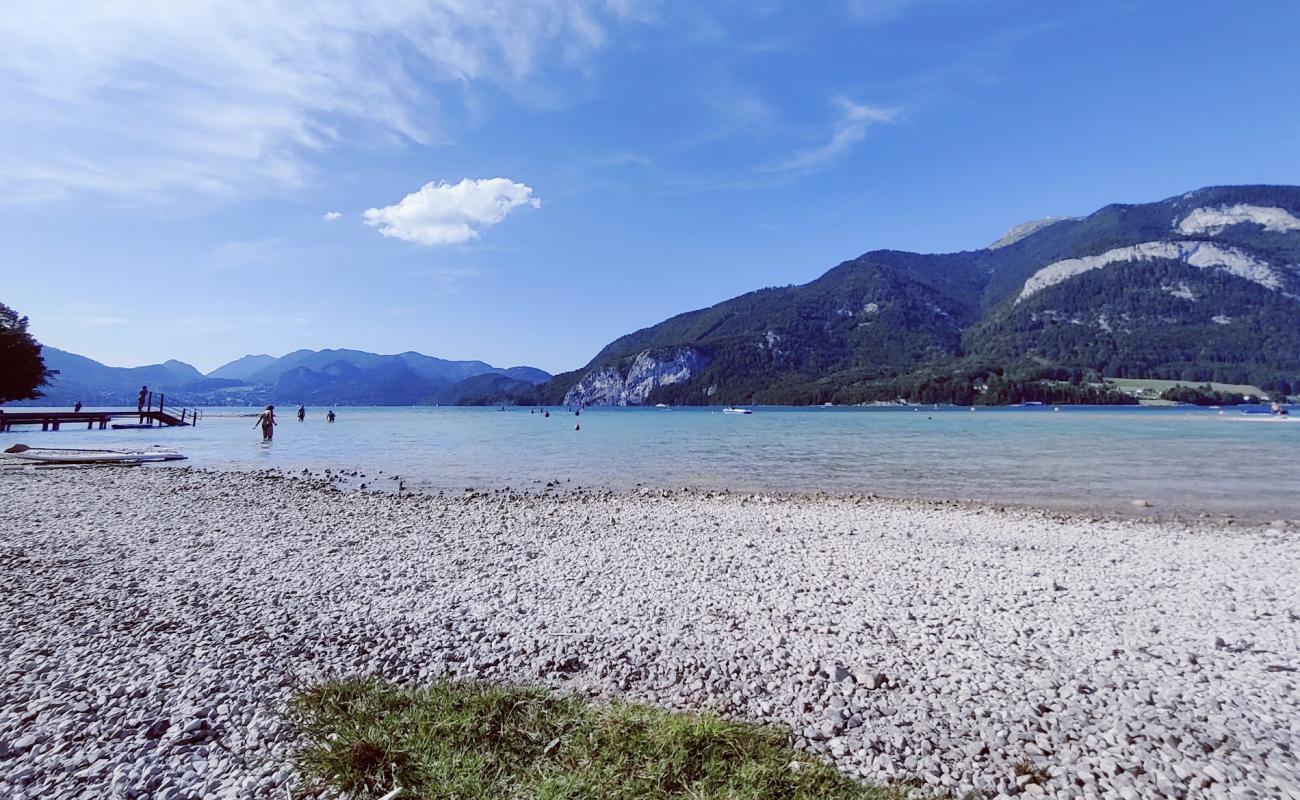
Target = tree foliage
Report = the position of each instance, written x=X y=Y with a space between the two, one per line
x=22 y=370
x=1202 y=396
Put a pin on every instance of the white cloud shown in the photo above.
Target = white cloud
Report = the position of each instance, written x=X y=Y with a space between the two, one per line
x=451 y=213
x=330 y=216
x=850 y=129
x=148 y=99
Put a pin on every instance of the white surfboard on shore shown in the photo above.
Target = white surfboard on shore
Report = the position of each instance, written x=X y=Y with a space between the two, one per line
x=57 y=455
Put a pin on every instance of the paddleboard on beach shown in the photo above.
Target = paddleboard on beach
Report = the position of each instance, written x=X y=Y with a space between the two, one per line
x=54 y=455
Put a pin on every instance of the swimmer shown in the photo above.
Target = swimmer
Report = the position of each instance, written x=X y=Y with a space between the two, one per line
x=267 y=420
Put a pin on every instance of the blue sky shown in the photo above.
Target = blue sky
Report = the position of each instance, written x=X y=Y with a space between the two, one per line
x=522 y=182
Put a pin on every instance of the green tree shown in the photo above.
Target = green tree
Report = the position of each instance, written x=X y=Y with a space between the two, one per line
x=22 y=370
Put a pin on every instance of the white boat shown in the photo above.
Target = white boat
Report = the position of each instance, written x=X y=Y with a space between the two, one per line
x=661 y=405
x=57 y=455
x=736 y=411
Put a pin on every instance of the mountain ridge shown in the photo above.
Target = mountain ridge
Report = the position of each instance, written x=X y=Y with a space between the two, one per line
x=335 y=377
x=1201 y=286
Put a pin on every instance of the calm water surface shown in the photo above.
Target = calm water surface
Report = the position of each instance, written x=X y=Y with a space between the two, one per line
x=1178 y=459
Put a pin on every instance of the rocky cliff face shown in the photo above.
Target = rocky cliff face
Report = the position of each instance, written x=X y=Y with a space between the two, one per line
x=649 y=370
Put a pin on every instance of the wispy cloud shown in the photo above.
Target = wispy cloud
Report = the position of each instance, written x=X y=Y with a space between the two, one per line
x=878 y=10
x=850 y=129
x=624 y=159
x=451 y=213
x=440 y=281
x=730 y=106
x=85 y=315
x=331 y=216
x=248 y=252
x=149 y=99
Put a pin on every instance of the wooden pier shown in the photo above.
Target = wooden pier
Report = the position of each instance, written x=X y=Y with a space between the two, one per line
x=149 y=415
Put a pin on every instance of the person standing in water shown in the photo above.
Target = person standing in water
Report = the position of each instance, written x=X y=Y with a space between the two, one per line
x=302 y=413
x=267 y=420
x=330 y=416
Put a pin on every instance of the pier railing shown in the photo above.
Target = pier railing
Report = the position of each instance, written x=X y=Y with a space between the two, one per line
x=171 y=415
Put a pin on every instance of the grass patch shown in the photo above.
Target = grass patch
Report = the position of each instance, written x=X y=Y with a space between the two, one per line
x=471 y=740
x=1155 y=387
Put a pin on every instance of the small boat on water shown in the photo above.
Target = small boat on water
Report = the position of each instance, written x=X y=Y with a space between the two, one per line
x=736 y=411
x=68 y=455
x=1274 y=409
x=661 y=405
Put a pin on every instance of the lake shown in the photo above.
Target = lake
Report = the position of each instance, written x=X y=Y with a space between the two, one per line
x=1182 y=460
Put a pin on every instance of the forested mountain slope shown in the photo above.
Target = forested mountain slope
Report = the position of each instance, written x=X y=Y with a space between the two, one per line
x=1203 y=286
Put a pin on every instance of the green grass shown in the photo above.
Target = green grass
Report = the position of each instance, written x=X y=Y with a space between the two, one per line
x=461 y=739
x=1135 y=385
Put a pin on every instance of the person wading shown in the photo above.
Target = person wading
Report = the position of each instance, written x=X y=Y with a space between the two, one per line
x=267 y=420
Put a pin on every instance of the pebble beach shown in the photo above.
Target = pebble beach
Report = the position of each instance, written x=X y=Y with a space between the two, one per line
x=153 y=623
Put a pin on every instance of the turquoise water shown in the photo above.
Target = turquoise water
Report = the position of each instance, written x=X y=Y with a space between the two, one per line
x=1178 y=459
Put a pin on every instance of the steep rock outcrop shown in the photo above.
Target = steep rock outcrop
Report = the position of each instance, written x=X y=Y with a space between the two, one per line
x=648 y=370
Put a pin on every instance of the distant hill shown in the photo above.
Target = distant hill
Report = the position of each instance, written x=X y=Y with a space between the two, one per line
x=488 y=390
x=531 y=375
x=324 y=377
x=242 y=368
x=1204 y=286
x=93 y=383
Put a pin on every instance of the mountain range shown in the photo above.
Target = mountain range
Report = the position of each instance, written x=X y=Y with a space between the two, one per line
x=1204 y=286
x=1200 y=287
x=316 y=377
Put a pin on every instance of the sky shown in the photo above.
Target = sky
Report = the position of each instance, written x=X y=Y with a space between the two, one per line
x=523 y=182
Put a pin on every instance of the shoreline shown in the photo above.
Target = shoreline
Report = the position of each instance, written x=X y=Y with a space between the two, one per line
x=939 y=641
x=353 y=479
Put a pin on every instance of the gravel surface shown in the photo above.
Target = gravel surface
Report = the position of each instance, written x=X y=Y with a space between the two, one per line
x=152 y=624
